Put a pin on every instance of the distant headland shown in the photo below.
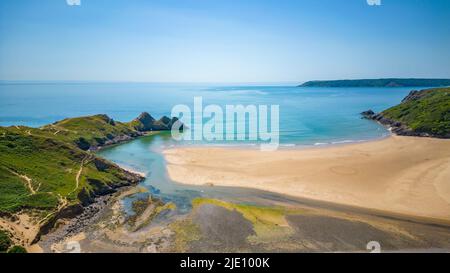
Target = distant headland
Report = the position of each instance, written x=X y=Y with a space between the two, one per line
x=388 y=82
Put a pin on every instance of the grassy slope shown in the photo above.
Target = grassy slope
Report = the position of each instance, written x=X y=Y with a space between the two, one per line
x=428 y=113
x=51 y=156
x=52 y=163
x=5 y=242
x=89 y=131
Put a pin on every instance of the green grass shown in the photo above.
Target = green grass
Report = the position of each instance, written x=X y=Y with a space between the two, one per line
x=428 y=113
x=12 y=191
x=52 y=162
x=89 y=131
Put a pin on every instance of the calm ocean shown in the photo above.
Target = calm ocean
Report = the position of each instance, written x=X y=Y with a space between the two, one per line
x=307 y=115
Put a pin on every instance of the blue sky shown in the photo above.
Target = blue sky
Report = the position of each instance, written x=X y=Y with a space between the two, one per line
x=223 y=40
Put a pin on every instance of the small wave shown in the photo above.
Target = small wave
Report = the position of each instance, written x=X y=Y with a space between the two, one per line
x=337 y=142
x=321 y=143
x=203 y=144
x=344 y=141
x=288 y=145
x=245 y=92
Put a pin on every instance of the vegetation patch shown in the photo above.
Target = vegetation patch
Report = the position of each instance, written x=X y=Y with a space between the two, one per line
x=37 y=172
x=5 y=241
x=90 y=131
x=185 y=232
x=426 y=111
x=17 y=249
x=44 y=170
x=269 y=223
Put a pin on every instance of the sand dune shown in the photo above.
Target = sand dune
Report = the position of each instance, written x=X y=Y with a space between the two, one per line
x=405 y=175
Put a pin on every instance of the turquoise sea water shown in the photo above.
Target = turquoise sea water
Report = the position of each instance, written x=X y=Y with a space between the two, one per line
x=307 y=115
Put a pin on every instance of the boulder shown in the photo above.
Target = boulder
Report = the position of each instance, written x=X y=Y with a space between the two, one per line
x=368 y=114
x=413 y=95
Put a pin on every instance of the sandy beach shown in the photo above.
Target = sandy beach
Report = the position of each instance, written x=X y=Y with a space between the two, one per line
x=406 y=175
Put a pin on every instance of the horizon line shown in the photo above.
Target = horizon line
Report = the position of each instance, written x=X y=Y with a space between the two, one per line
x=3 y=81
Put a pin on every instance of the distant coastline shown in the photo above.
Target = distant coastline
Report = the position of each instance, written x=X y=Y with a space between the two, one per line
x=387 y=82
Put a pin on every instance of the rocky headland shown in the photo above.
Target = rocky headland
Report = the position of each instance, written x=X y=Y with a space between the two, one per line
x=50 y=174
x=424 y=113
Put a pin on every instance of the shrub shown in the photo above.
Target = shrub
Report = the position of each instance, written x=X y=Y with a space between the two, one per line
x=5 y=241
x=17 y=249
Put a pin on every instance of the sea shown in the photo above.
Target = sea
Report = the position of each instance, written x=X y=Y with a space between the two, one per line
x=308 y=116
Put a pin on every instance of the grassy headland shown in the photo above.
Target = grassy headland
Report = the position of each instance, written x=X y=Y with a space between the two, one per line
x=49 y=172
x=89 y=133
x=421 y=113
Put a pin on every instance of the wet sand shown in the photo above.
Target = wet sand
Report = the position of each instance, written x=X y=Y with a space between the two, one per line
x=399 y=175
x=282 y=224
x=217 y=226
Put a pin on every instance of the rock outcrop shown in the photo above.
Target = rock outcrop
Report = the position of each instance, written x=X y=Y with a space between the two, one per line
x=413 y=95
x=395 y=127
x=146 y=123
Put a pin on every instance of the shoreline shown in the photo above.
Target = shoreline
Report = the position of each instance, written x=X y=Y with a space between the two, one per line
x=131 y=170
x=126 y=139
x=282 y=146
x=379 y=174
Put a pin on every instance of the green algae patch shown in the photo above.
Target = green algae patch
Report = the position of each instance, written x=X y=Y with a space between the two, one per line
x=269 y=223
x=185 y=231
x=168 y=206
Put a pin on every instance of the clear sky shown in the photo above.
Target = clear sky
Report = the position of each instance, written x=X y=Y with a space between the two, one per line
x=223 y=40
